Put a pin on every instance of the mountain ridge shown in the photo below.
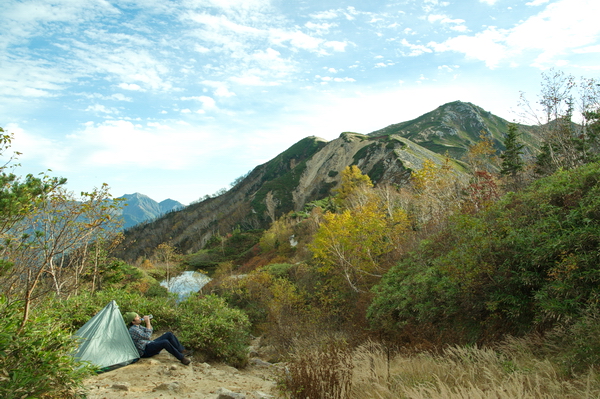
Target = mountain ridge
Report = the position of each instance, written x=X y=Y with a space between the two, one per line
x=138 y=208
x=311 y=168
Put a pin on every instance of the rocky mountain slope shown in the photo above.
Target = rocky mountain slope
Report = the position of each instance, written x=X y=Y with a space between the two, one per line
x=311 y=169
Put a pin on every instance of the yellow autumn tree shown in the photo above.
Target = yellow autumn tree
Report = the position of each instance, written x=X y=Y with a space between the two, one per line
x=437 y=192
x=353 y=187
x=354 y=243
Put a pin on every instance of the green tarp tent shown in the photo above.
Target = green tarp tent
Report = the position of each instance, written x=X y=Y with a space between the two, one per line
x=105 y=340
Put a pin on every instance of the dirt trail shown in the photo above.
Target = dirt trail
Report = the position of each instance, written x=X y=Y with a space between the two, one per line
x=163 y=377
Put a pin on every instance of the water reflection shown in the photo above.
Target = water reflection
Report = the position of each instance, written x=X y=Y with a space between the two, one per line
x=186 y=283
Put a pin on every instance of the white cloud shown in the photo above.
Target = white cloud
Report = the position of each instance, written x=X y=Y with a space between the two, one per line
x=158 y=125
x=330 y=14
x=252 y=78
x=24 y=19
x=487 y=46
x=207 y=102
x=49 y=152
x=130 y=86
x=223 y=92
x=221 y=89
x=588 y=49
x=563 y=27
x=25 y=78
x=447 y=68
x=416 y=49
x=455 y=24
x=222 y=23
x=201 y=49
x=320 y=28
x=121 y=143
x=536 y=2
x=296 y=39
x=336 y=46
x=490 y=2
x=112 y=97
x=99 y=108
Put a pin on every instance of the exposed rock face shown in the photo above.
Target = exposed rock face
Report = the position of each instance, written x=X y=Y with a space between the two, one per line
x=311 y=169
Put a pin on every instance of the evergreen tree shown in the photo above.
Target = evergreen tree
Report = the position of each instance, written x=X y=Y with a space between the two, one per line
x=512 y=161
x=543 y=161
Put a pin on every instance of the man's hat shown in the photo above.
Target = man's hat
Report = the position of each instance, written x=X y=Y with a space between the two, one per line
x=128 y=317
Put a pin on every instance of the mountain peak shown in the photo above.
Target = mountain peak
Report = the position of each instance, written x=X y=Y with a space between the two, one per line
x=139 y=208
x=453 y=127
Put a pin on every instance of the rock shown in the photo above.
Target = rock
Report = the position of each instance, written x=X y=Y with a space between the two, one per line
x=227 y=394
x=255 y=361
x=121 y=386
x=229 y=369
x=252 y=351
x=261 y=395
x=175 y=387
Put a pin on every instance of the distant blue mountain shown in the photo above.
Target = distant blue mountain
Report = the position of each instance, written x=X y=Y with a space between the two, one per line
x=138 y=208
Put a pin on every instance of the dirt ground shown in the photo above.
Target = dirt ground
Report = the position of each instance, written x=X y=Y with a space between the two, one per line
x=163 y=377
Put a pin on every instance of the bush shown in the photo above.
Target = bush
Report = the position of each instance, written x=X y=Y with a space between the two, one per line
x=205 y=324
x=36 y=361
x=526 y=263
x=576 y=345
x=76 y=311
x=219 y=332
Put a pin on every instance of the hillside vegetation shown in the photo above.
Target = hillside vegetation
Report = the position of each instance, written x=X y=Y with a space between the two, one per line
x=474 y=277
x=311 y=169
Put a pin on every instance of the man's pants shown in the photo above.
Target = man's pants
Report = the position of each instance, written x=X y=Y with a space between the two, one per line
x=166 y=341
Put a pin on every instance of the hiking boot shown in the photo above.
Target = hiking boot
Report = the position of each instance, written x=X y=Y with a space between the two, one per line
x=185 y=361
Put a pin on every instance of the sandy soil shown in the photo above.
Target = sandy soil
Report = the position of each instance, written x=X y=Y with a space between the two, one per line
x=163 y=377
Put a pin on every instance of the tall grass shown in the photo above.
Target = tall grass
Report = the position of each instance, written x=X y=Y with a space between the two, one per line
x=511 y=370
x=319 y=369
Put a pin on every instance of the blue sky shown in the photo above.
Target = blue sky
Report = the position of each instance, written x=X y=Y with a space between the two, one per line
x=176 y=99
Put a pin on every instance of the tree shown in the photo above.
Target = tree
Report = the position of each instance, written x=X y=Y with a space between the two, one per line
x=49 y=248
x=166 y=254
x=353 y=244
x=562 y=122
x=437 y=193
x=349 y=192
x=18 y=196
x=512 y=161
x=480 y=155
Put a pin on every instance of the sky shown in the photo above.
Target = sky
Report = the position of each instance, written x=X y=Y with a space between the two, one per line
x=178 y=98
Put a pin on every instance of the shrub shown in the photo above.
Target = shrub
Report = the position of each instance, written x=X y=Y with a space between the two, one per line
x=219 y=332
x=576 y=345
x=35 y=361
x=76 y=311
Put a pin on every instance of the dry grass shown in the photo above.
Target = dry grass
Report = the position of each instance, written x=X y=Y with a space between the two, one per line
x=510 y=371
x=319 y=370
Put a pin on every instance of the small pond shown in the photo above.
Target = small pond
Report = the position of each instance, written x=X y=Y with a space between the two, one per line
x=186 y=283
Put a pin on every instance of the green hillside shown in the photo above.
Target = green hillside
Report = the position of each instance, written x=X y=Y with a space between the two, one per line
x=453 y=127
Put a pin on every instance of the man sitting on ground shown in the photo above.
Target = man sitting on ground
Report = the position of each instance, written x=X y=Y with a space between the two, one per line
x=148 y=348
